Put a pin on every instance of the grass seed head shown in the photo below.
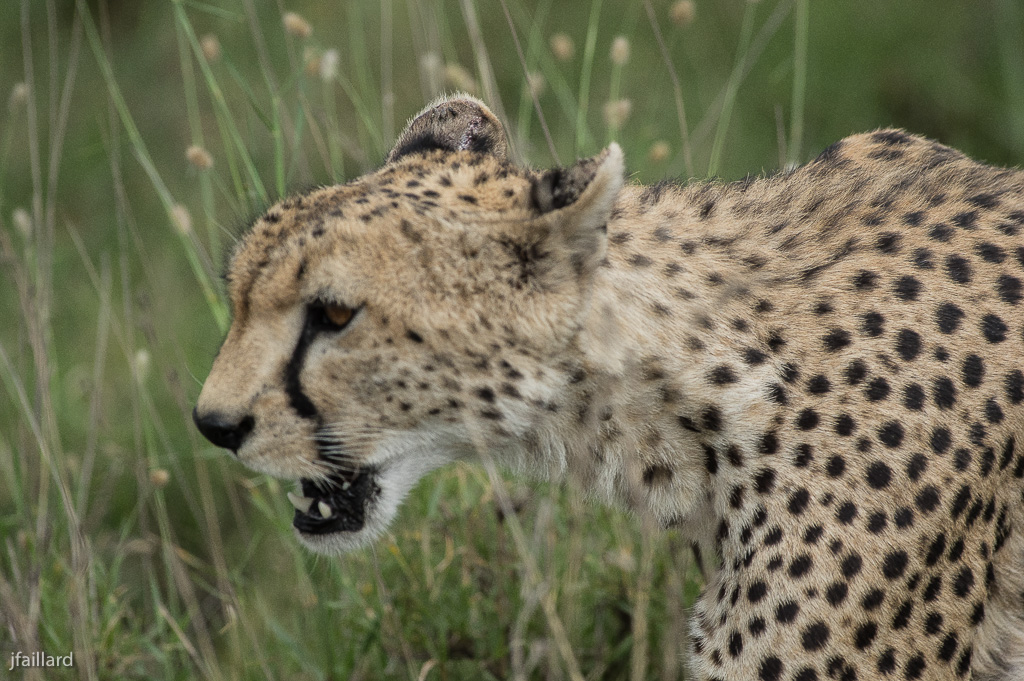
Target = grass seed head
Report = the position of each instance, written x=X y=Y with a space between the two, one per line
x=537 y=83
x=142 y=361
x=562 y=47
x=616 y=112
x=620 y=50
x=311 y=60
x=432 y=71
x=296 y=25
x=459 y=77
x=659 y=152
x=159 y=477
x=22 y=222
x=18 y=97
x=683 y=13
x=182 y=219
x=199 y=157
x=329 y=65
x=211 y=47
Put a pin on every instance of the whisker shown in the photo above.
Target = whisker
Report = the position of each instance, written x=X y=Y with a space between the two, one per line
x=342 y=449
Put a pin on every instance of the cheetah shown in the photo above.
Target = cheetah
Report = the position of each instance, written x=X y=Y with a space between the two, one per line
x=816 y=376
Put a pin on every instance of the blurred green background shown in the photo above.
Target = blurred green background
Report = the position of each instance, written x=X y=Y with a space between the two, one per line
x=136 y=141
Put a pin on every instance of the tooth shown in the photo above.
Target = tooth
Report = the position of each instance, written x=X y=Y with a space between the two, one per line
x=300 y=503
x=345 y=485
x=325 y=510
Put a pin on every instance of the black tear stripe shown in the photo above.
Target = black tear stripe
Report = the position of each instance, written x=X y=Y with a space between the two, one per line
x=297 y=399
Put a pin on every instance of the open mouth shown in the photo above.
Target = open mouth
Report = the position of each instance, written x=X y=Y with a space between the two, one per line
x=334 y=504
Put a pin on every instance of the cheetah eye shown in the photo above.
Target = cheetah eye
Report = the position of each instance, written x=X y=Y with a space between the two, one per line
x=324 y=316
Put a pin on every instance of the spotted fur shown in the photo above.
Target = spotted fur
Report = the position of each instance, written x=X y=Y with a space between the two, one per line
x=817 y=375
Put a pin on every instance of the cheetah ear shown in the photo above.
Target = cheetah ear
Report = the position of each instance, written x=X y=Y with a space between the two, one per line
x=560 y=187
x=576 y=203
x=453 y=123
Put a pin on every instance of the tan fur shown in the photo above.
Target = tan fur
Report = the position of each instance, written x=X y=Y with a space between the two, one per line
x=816 y=375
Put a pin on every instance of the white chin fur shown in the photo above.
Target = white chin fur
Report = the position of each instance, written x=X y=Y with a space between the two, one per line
x=395 y=478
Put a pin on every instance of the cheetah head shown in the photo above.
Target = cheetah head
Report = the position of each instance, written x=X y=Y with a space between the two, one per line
x=409 y=318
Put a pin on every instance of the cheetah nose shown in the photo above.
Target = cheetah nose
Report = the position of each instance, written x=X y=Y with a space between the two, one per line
x=221 y=430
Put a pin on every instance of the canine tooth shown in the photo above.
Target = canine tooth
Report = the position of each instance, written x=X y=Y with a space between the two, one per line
x=345 y=485
x=300 y=503
x=325 y=510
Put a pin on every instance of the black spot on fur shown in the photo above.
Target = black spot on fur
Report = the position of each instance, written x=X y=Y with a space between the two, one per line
x=527 y=259
x=908 y=344
x=722 y=375
x=865 y=280
x=856 y=372
x=873 y=324
x=1009 y=289
x=836 y=339
x=923 y=259
x=1014 y=385
x=657 y=474
x=907 y=288
x=891 y=138
x=958 y=269
x=973 y=371
x=993 y=328
x=944 y=392
x=888 y=243
x=966 y=219
x=948 y=316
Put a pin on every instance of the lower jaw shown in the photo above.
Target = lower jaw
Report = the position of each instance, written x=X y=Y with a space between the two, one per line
x=337 y=523
x=337 y=543
x=342 y=511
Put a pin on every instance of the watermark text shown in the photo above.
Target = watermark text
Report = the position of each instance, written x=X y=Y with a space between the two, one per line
x=40 y=659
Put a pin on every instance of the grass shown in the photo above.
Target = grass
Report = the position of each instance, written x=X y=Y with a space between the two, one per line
x=126 y=538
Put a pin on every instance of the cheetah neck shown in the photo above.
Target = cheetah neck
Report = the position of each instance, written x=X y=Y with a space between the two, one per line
x=656 y=348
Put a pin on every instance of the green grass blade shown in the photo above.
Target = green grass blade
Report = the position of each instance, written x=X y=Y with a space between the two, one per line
x=216 y=305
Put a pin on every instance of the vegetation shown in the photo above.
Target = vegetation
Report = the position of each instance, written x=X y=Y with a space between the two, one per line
x=137 y=140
